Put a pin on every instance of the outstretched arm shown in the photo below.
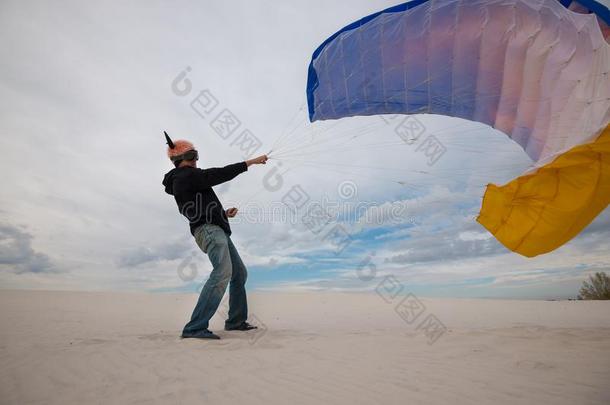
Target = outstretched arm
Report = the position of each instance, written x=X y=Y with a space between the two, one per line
x=218 y=175
x=261 y=160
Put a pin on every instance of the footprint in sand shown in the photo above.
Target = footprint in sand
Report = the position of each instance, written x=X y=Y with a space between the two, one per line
x=534 y=365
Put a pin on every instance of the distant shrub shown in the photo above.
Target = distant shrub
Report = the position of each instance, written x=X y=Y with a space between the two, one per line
x=597 y=288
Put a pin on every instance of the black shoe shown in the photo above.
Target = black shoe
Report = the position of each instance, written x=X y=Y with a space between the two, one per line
x=241 y=326
x=204 y=334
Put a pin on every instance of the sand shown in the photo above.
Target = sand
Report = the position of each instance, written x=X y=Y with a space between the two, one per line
x=313 y=347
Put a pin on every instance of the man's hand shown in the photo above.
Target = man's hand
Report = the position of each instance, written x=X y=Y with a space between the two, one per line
x=261 y=160
x=231 y=212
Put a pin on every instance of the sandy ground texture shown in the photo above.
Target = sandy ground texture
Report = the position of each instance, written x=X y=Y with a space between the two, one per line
x=331 y=348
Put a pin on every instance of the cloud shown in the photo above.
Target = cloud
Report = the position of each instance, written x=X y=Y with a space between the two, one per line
x=147 y=255
x=461 y=240
x=96 y=155
x=600 y=226
x=17 y=254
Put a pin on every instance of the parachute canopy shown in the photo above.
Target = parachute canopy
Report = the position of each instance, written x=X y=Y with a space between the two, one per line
x=537 y=70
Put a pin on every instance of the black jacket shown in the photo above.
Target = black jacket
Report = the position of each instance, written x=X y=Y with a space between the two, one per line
x=192 y=190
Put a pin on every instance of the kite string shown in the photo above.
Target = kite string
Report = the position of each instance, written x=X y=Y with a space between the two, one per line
x=290 y=123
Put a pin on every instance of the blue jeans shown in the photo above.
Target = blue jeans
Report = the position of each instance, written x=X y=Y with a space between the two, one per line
x=227 y=267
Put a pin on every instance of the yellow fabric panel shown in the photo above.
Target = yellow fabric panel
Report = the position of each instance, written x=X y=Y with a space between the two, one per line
x=539 y=212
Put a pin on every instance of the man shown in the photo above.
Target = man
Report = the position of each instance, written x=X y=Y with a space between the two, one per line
x=192 y=190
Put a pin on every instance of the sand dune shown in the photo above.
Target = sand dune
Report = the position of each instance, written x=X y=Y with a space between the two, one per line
x=120 y=348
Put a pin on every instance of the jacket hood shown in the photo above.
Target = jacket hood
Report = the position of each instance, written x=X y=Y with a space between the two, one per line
x=168 y=181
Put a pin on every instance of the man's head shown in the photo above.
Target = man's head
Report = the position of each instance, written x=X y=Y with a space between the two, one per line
x=181 y=152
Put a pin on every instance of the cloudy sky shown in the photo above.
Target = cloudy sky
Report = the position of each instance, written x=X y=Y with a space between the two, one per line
x=86 y=89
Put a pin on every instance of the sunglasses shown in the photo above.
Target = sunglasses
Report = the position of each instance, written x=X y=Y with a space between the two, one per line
x=190 y=155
